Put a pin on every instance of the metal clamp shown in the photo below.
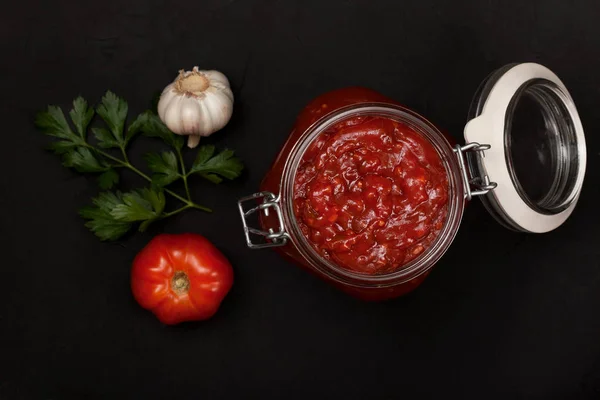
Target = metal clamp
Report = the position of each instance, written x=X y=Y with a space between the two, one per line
x=476 y=186
x=272 y=238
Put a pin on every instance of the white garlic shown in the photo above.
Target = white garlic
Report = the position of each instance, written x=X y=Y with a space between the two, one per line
x=197 y=103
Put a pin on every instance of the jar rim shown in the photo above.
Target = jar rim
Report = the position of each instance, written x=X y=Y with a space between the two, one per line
x=456 y=198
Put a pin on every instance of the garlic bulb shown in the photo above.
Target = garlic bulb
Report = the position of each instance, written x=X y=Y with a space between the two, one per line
x=197 y=103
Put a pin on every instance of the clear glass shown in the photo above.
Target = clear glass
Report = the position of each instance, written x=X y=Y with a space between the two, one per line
x=281 y=177
x=541 y=146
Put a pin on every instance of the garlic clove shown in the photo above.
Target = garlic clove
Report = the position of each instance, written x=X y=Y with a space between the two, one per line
x=217 y=108
x=217 y=79
x=205 y=119
x=191 y=116
x=171 y=115
x=165 y=98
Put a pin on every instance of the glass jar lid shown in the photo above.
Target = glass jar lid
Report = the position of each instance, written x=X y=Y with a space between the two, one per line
x=537 y=152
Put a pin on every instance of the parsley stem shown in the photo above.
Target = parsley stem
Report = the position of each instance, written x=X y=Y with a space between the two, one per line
x=184 y=175
x=171 y=213
x=125 y=163
x=125 y=155
x=189 y=205
x=199 y=207
x=146 y=177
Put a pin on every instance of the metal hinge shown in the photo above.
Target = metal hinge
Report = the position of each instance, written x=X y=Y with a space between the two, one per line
x=272 y=238
x=476 y=186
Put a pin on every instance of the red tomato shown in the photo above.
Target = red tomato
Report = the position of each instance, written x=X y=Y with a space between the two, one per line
x=180 y=278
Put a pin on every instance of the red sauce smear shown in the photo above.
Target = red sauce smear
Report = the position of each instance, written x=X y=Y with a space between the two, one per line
x=371 y=194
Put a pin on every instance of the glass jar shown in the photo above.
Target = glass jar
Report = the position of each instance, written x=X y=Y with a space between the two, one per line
x=525 y=156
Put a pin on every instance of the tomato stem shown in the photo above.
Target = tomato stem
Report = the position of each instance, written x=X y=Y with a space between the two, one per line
x=180 y=283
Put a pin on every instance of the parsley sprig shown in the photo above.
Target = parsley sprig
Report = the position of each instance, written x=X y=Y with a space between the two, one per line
x=114 y=213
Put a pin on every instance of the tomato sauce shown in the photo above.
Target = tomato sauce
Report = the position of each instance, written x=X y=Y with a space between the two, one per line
x=370 y=194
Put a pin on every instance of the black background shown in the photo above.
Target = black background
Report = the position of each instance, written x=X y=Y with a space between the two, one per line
x=503 y=315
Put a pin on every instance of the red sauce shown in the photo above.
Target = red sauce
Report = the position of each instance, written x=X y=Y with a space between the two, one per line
x=371 y=194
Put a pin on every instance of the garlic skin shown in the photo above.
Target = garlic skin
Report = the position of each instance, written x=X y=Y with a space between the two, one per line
x=197 y=103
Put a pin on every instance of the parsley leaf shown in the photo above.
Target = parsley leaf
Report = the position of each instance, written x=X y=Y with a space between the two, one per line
x=156 y=199
x=164 y=166
x=71 y=146
x=113 y=213
x=53 y=123
x=81 y=116
x=151 y=125
x=213 y=167
x=83 y=160
x=105 y=139
x=204 y=154
x=135 y=127
x=62 y=146
x=108 y=179
x=113 y=110
x=99 y=218
x=140 y=205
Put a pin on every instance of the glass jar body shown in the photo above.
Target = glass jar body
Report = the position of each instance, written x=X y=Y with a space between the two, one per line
x=279 y=181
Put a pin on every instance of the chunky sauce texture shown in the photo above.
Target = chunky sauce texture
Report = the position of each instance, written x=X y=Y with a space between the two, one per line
x=371 y=194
